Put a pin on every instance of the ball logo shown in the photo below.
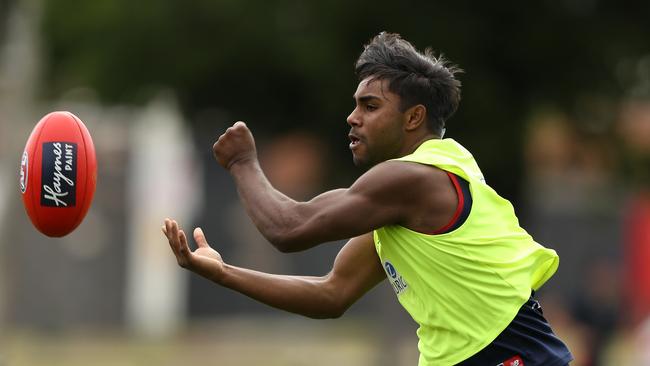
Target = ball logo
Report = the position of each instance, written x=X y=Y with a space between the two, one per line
x=24 y=165
x=59 y=174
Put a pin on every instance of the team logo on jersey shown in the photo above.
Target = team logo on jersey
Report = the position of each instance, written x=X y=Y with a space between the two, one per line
x=396 y=280
x=515 y=361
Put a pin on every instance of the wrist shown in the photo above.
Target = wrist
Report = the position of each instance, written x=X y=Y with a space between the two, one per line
x=220 y=276
x=242 y=163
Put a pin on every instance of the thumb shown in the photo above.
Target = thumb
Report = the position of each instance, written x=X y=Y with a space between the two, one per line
x=199 y=238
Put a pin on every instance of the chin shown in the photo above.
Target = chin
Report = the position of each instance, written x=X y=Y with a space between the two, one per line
x=361 y=163
x=358 y=161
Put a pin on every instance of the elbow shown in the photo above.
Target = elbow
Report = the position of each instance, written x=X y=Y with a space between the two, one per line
x=330 y=312
x=284 y=247
x=295 y=235
x=286 y=241
x=332 y=307
x=337 y=313
x=282 y=244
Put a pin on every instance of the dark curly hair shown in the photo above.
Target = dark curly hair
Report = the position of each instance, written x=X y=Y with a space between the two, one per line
x=418 y=78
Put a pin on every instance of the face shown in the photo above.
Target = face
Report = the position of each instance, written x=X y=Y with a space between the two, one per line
x=377 y=132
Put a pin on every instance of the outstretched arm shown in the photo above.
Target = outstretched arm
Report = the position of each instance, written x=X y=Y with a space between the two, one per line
x=376 y=199
x=355 y=271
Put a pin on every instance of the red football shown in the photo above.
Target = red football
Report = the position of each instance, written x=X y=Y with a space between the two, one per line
x=58 y=173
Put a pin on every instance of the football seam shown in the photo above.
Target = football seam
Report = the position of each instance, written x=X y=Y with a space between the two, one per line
x=37 y=192
x=80 y=212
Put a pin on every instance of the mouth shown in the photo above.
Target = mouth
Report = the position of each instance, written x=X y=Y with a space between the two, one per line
x=354 y=140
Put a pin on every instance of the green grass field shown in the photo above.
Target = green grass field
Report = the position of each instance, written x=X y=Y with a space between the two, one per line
x=236 y=342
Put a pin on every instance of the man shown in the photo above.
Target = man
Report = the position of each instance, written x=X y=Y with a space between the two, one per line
x=422 y=216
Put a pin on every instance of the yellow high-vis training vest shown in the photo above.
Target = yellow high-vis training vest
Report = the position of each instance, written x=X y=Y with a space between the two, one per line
x=464 y=287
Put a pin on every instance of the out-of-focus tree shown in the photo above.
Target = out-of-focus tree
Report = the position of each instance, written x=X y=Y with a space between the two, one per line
x=4 y=12
x=284 y=63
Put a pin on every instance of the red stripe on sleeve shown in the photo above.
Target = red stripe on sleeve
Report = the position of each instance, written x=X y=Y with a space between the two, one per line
x=459 y=208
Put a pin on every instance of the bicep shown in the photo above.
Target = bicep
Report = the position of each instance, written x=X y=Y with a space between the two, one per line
x=356 y=270
x=376 y=199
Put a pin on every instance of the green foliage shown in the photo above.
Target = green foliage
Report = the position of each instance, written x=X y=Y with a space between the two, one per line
x=286 y=63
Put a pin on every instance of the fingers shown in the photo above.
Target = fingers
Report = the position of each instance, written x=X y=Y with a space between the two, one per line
x=171 y=233
x=199 y=238
x=184 y=248
x=240 y=124
x=167 y=228
x=237 y=128
x=177 y=242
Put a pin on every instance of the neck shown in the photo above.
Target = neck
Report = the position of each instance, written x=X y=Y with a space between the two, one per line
x=410 y=147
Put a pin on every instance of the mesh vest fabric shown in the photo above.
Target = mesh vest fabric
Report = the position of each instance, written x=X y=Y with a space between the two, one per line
x=463 y=287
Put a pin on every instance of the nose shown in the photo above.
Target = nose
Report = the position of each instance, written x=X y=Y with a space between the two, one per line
x=353 y=119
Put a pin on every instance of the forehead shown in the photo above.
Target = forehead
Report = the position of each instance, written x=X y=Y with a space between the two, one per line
x=377 y=88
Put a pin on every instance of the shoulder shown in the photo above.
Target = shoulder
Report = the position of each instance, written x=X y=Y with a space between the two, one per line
x=401 y=179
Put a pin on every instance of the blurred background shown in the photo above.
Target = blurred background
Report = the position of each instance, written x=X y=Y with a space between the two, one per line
x=556 y=108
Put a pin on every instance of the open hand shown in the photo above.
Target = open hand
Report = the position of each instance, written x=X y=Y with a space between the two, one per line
x=204 y=261
x=234 y=146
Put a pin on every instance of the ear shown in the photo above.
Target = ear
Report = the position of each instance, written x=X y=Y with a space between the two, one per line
x=415 y=117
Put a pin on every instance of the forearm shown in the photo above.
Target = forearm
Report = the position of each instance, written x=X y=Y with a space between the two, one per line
x=317 y=297
x=308 y=296
x=334 y=215
x=356 y=270
x=272 y=212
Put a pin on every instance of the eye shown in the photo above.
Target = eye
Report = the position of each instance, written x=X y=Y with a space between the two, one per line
x=371 y=107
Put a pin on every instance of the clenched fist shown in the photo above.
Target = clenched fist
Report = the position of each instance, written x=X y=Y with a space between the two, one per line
x=234 y=146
